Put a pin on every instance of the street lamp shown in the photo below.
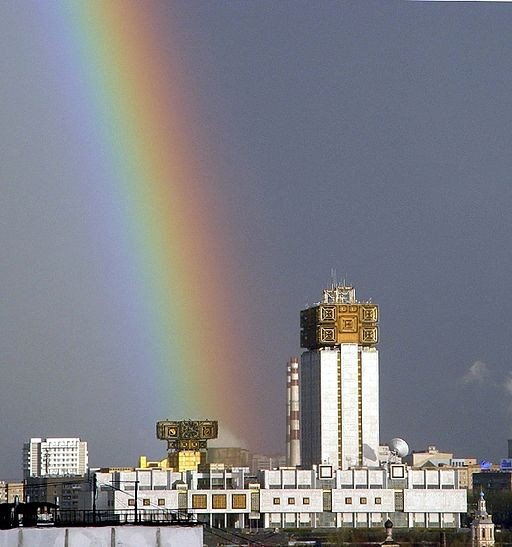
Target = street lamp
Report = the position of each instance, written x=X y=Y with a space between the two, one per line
x=136 y=493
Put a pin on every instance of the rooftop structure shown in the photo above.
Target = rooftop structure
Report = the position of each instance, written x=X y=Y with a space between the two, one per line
x=186 y=441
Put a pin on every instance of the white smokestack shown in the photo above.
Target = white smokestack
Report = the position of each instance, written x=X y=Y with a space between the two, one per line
x=292 y=417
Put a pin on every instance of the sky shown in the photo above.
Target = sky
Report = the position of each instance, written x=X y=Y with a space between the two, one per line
x=368 y=138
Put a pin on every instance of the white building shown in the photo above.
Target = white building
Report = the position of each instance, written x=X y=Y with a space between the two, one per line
x=324 y=497
x=75 y=536
x=339 y=381
x=55 y=457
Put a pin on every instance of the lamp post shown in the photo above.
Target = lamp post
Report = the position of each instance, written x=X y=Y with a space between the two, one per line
x=136 y=506
x=136 y=493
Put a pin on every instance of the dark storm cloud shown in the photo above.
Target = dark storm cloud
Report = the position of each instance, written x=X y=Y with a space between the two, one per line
x=370 y=137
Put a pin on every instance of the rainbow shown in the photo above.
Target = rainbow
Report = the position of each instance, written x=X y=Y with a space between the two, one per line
x=137 y=103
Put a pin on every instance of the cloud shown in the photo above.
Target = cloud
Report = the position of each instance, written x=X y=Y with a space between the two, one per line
x=508 y=383
x=479 y=373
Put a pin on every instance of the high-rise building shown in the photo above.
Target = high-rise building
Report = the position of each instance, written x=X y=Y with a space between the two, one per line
x=339 y=381
x=55 y=457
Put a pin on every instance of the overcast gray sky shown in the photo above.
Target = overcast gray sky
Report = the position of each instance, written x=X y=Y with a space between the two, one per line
x=369 y=137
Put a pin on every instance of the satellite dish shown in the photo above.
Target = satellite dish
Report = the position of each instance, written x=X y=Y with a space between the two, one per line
x=399 y=447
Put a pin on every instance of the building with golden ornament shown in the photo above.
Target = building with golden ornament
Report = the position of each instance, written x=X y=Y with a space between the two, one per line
x=339 y=381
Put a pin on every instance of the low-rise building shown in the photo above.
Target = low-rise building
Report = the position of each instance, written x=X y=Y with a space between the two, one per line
x=69 y=493
x=429 y=458
x=288 y=497
x=12 y=492
x=493 y=481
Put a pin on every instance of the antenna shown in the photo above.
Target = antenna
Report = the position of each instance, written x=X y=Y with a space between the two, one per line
x=334 y=279
x=399 y=447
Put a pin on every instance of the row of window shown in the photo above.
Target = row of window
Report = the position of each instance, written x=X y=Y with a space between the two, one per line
x=219 y=501
x=348 y=501
x=363 y=501
x=200 y=501
x=146 y=502
x=291 y=501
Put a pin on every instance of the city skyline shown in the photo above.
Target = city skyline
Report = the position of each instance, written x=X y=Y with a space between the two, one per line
x=366 y=137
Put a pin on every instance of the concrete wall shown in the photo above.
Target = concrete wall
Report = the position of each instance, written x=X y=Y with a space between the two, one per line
x=127 y=536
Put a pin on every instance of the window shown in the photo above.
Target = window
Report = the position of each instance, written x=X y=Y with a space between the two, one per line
x=198 y=501
x=362 y=501
x=291 y=501
x=378 y=501
x=145 y=501
x=238 y=501
x=219 y=501
x=161 y=501
x=131 y=503
x=305 y=501
x=348 y=501
x=277 y=501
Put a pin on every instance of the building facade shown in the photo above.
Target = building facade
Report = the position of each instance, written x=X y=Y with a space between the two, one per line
x=69 y=493
x=11 y=492
x=493 y=481
x=323 y=497
x=55 y=457
x=339 y=381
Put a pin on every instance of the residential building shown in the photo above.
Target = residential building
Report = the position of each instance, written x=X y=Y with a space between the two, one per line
x=55 y=457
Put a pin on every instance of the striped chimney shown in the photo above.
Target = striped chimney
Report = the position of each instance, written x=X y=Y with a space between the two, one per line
x=292 y=413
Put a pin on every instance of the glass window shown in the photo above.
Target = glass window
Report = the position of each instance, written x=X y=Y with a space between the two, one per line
x=238 y=501
x=277 y=501
x=145 y=501
x=378 y=501
x=291 y=501
x=362 y=501
x=348 y=501
x=305 y=501
x=161 y=501
x=198 y=501
x=219 y=501
x=131 y=503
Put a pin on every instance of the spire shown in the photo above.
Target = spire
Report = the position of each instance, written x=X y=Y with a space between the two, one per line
x=482 y=527
x=481 y=507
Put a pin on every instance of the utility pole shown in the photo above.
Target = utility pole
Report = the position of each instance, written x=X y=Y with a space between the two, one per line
x=136 y=506
x=94 y=489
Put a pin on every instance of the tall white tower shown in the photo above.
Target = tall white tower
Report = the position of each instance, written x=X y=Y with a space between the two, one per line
x=339 y=381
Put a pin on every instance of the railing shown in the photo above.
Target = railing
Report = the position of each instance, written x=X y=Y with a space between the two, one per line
x=76 y=517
